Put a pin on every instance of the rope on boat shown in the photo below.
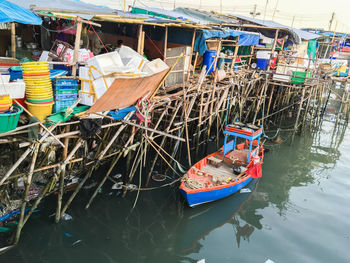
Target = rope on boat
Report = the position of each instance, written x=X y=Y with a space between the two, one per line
x=194 y=184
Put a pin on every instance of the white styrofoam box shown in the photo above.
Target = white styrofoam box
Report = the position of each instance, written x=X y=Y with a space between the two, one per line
x=83 y=73
x=16 y=90
x=134 y=64
x=86 y=95
x=263 y=54
x=155 y=66
x=131 y=59
x=266 y=40
x=106 y=63
x=283 y=78
x=101 y=85
x=86 y=99
x=4 y=78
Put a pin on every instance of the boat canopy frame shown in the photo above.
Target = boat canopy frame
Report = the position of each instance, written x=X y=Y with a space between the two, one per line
x=251 y=136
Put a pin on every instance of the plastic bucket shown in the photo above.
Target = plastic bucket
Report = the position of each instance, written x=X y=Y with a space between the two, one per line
x=262 y=63
x=5 y=99
x=35 y=63
x=41 y=111
x=208 y=60
x=39 y=88
x=40 y=100
x=9 y=121
x=5 y=107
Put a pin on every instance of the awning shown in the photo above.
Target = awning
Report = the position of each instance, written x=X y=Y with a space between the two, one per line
x=245 y=38
x=10 y=12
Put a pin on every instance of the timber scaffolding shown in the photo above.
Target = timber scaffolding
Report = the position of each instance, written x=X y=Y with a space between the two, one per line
x=188 y=114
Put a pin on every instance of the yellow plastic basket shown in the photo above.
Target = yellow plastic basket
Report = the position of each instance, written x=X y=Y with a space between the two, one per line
x=41 y=111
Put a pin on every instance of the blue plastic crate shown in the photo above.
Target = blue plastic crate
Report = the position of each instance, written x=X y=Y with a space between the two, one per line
x=66 y=96
x=63 y=82
x=66 y=91
x=72 y=86
x=62 y=104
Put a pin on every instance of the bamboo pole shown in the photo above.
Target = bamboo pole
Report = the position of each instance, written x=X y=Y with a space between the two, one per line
x=109 y=170
x=186 y=128
x=298 y=114
x=162 y=142
x=99 y=157
x=25 y=194
x=24 y=155
x=139 y=39
x=76 y=47
x=165 y=43
x=13 y=39
x=62 y=171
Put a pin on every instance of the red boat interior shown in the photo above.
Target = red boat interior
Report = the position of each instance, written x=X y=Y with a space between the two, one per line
x=215 y=170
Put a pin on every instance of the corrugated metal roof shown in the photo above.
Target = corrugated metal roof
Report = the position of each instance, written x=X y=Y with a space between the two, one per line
x=174 y=14
x=301 y=33
x=206 y=17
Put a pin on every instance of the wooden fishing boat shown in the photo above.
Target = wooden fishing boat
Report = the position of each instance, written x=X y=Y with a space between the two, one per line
x=226 y=171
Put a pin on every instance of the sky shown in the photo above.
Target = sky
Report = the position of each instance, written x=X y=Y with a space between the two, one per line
x=305 y=13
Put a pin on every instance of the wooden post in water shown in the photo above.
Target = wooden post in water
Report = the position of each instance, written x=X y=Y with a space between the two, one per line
x=25 y=194
x=299 y=110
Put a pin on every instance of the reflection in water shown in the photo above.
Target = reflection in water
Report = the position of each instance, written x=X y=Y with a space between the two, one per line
x=242 y=231
x=163 y=229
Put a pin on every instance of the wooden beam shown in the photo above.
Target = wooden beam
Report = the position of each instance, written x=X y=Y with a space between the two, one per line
x=13 y=39
x=139 y=39
x=155 y=131
x=76 y=48
x=165 y=42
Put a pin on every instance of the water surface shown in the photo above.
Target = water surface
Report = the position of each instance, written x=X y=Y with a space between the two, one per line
x=298 y=212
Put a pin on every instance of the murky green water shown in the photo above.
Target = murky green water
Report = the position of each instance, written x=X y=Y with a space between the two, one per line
x=298 y=212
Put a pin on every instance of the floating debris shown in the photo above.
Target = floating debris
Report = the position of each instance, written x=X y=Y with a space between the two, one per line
x=90 y=186
x=117 y=176
x=67 y=234
x=245 y=190
x=77 y=242
x=4 y=249
x=117 y=186
x=159 y=177
x=66 y=217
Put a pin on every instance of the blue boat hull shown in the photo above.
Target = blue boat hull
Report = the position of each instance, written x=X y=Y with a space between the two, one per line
x=206 y=196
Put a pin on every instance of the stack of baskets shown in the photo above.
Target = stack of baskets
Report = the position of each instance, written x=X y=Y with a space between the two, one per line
x=5 y=103
x=66 y=93
x=39 y=94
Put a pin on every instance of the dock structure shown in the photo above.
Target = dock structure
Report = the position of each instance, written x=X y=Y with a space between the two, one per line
x=185 y=108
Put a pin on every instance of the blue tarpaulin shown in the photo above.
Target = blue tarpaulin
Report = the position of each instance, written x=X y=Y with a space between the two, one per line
x=10 y=12
x=245 y=38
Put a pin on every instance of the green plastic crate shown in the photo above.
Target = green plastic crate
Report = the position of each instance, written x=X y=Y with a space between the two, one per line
x=299 y=77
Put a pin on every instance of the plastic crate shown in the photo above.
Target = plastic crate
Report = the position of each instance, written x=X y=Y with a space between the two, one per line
x=65 y=82
x=66 y=96
x=66 y=91
x=66 y=86
x=62 y=104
